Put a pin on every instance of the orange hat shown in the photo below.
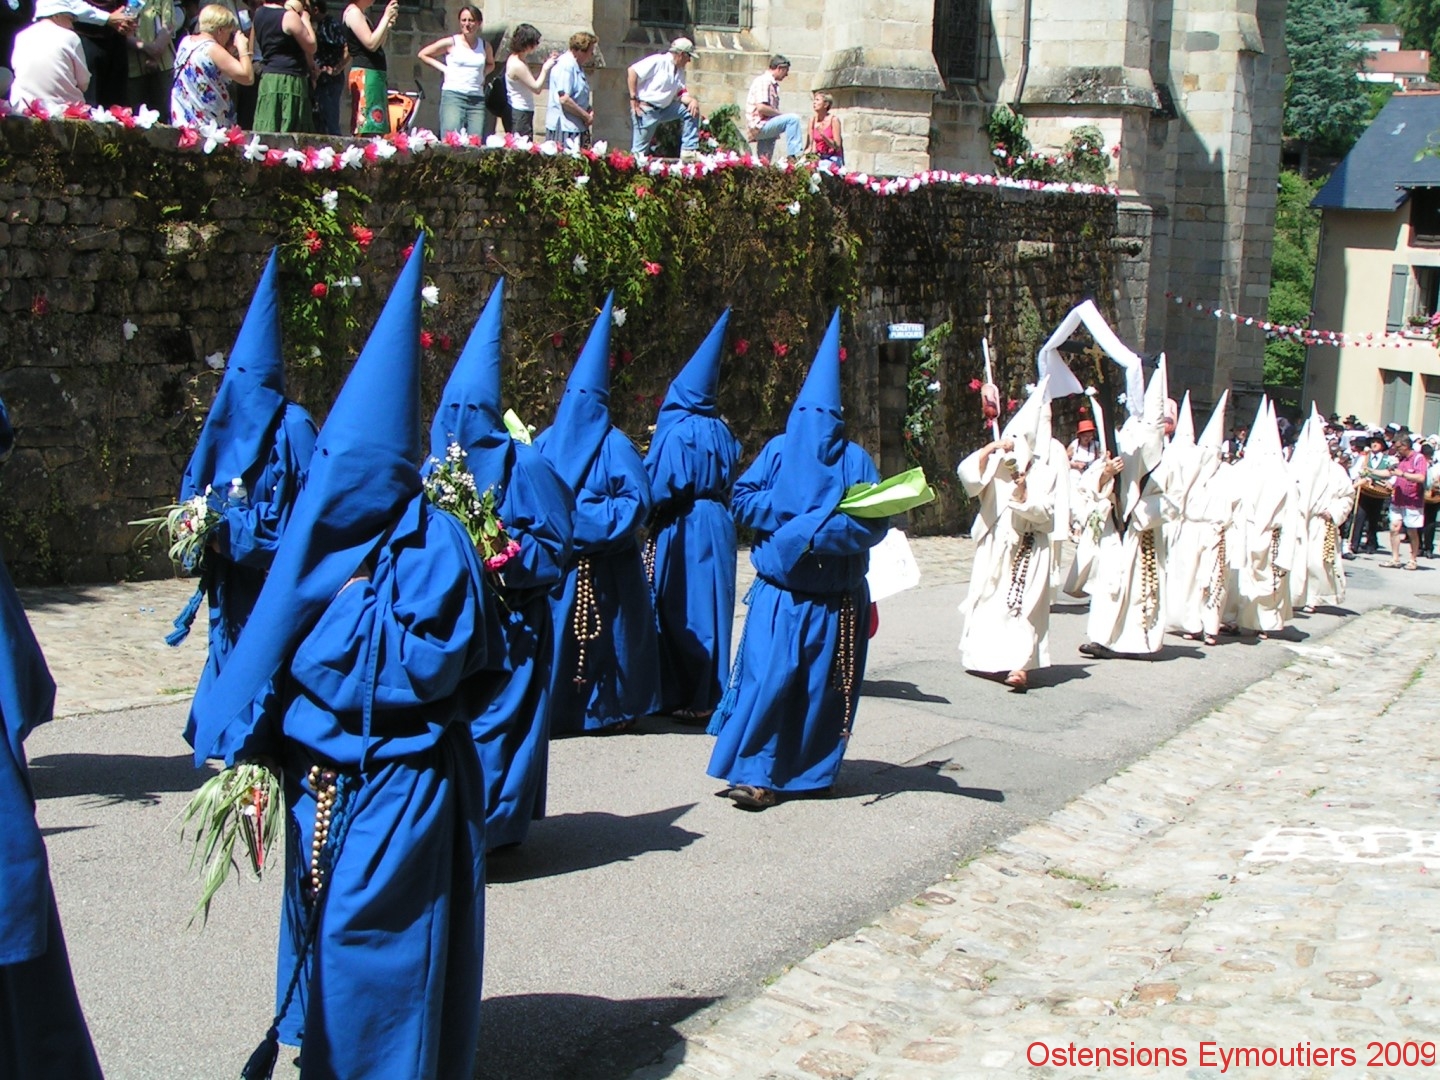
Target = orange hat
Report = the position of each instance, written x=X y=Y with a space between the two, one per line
x=1084 y=426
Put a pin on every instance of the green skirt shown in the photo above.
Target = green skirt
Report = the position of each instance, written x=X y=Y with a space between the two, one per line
x=283 y=104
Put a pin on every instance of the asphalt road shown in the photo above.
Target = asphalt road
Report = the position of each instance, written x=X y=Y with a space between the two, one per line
x=643 y=899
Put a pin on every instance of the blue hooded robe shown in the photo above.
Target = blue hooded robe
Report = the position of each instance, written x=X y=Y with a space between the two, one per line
x=42 y=1030
x=538 y=510
x=692 y=464
x=785 y=719
x=255 y=433
x=615 y=677
x=372 y=627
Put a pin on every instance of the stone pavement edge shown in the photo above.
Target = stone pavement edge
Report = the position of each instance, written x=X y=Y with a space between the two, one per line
x=1260 y=895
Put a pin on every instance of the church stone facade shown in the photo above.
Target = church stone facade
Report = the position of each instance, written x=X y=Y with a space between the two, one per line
x=1186 y=92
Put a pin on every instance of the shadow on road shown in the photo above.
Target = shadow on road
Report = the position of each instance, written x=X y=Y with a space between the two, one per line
x=1057 y=674
x=569 y=842
x=882 y=780
x=114 y=778
x=575 y=1037
x=899 y=690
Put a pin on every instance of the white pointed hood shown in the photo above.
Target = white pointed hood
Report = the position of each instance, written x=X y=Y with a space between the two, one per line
x=1185 y=425
x=1142 y=440
x=1181 y=458
x=1213 y=437
x=1310 y=465
x=1025 y=428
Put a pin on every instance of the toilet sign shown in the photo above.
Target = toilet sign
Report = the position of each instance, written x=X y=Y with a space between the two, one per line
x=906 y=331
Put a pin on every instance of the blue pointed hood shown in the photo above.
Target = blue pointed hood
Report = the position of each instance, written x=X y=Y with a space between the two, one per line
x=693 y=390
x=364 y=473
x=809 y=476
x=469 y=411
x=583 y=418
x=235 y=440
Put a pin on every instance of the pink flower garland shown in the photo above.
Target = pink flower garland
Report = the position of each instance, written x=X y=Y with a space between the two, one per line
x=358 y=154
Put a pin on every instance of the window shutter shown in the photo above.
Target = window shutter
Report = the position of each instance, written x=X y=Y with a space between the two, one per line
x=1399 y=279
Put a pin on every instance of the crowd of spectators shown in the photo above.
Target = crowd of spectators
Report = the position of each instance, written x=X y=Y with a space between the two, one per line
x=275 y=66
x=1397 y=483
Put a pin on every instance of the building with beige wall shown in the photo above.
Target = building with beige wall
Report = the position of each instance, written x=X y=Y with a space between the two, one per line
x=1187 y=92
x=1379 y=272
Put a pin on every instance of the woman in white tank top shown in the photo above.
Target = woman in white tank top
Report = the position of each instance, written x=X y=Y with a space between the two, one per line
x=465 y=59
x=521 y=85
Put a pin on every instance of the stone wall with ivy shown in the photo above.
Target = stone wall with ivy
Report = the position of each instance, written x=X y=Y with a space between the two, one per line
x=126 y=264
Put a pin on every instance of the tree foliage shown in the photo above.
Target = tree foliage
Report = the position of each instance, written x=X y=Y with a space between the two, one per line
x=1292 y=274
x=1325 y=101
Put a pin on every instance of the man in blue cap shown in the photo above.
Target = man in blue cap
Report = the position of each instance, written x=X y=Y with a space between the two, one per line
x=606 y=657
x=692 y=464
x=538 y=510
x=251 y=459
x=372 y=630
x=784 y=722
x=45 y=1032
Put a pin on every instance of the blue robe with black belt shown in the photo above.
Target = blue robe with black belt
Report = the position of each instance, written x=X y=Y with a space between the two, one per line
x=620 y=676
x=42 y=1030
x=392 y=985
x=511 y=732
x=784 y=722
x=246 y=540
x=692 y=464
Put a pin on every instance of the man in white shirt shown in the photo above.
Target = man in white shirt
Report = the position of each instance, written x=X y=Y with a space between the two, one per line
x=658 y=94
x=762 y=112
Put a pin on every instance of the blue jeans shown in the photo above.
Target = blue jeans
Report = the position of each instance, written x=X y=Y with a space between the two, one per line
x=789 y=124
x=643 y=131
x=462 y=112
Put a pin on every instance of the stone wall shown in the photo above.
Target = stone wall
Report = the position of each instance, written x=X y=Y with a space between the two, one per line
x=126 y=265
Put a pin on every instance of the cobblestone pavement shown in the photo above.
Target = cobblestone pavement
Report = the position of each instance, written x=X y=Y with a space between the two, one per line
x=1268 y=879
x=105 y=644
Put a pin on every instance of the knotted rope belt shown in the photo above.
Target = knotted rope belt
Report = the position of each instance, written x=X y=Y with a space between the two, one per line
x=842 y=667
x=585 y=622
x=1149 y=582
x=1217 y=586
x=1277 y=575
x=1019 y=571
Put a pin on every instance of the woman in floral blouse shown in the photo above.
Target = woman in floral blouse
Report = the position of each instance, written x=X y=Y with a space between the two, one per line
x=205 y=66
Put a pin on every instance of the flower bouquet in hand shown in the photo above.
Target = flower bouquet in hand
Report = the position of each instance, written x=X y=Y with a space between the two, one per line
x=451 y=487
x=187 y=526
x=242 y=806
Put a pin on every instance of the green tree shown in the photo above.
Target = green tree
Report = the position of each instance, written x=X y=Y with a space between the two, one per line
x=1377 y=11
x=1292 y=275
x=1325 y=101
x=1419 y=22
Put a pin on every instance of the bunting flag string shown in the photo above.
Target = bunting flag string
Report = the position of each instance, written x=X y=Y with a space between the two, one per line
x=1305 y=335
x=361 y=153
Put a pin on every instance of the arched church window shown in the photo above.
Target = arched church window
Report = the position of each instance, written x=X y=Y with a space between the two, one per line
x=960 y=43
